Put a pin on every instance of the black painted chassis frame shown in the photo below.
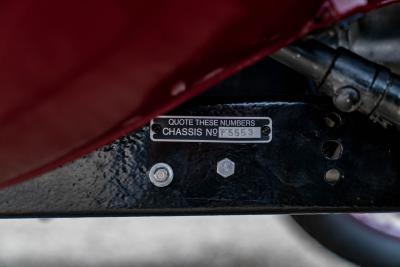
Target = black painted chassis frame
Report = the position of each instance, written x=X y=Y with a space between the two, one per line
x=284 y=176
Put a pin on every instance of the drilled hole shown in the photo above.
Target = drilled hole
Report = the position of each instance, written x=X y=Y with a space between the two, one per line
x=332 y=150
x=333 y=120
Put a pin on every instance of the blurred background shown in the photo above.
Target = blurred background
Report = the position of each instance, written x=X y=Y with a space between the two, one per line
x=161 y=241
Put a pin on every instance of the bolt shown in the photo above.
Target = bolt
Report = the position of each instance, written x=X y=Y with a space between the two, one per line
x=156 y=128
x=161 y=174
x=332 y=176
x=225 y=167
x=347 y=99
x=265 y=129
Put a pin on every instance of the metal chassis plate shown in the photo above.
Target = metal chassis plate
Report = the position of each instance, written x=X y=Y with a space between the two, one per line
x=268 y=136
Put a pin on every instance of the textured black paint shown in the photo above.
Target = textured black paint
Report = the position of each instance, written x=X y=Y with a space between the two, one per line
x=286 y=175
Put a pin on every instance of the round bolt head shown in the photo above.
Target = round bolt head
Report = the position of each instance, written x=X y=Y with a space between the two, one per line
x=225 y=167
x=266 y=129
x=161 y=174
x=332 y=176
x=347 y=99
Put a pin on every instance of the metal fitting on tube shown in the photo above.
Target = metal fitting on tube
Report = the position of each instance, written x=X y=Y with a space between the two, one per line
x=353 y=82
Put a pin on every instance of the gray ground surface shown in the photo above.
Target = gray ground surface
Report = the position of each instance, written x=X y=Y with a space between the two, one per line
x=165 y=241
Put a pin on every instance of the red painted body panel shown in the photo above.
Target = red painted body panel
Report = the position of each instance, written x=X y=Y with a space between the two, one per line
x=75 y=75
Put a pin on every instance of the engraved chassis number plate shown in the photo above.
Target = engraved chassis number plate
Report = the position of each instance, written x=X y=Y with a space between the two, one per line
x=211 y=129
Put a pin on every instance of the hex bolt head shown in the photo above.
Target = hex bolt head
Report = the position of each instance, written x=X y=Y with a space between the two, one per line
x=161 y=174
x=225 y=167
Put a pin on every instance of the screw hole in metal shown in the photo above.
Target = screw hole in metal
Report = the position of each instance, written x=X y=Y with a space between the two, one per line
x=332 y=120
x=156 y=128
x=332 y=149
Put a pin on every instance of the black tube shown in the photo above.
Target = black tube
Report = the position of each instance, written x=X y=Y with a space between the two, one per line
x=353 y=82
x=310 y=58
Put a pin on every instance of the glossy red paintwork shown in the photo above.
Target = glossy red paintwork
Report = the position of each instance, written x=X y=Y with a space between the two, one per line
x=75 y=75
